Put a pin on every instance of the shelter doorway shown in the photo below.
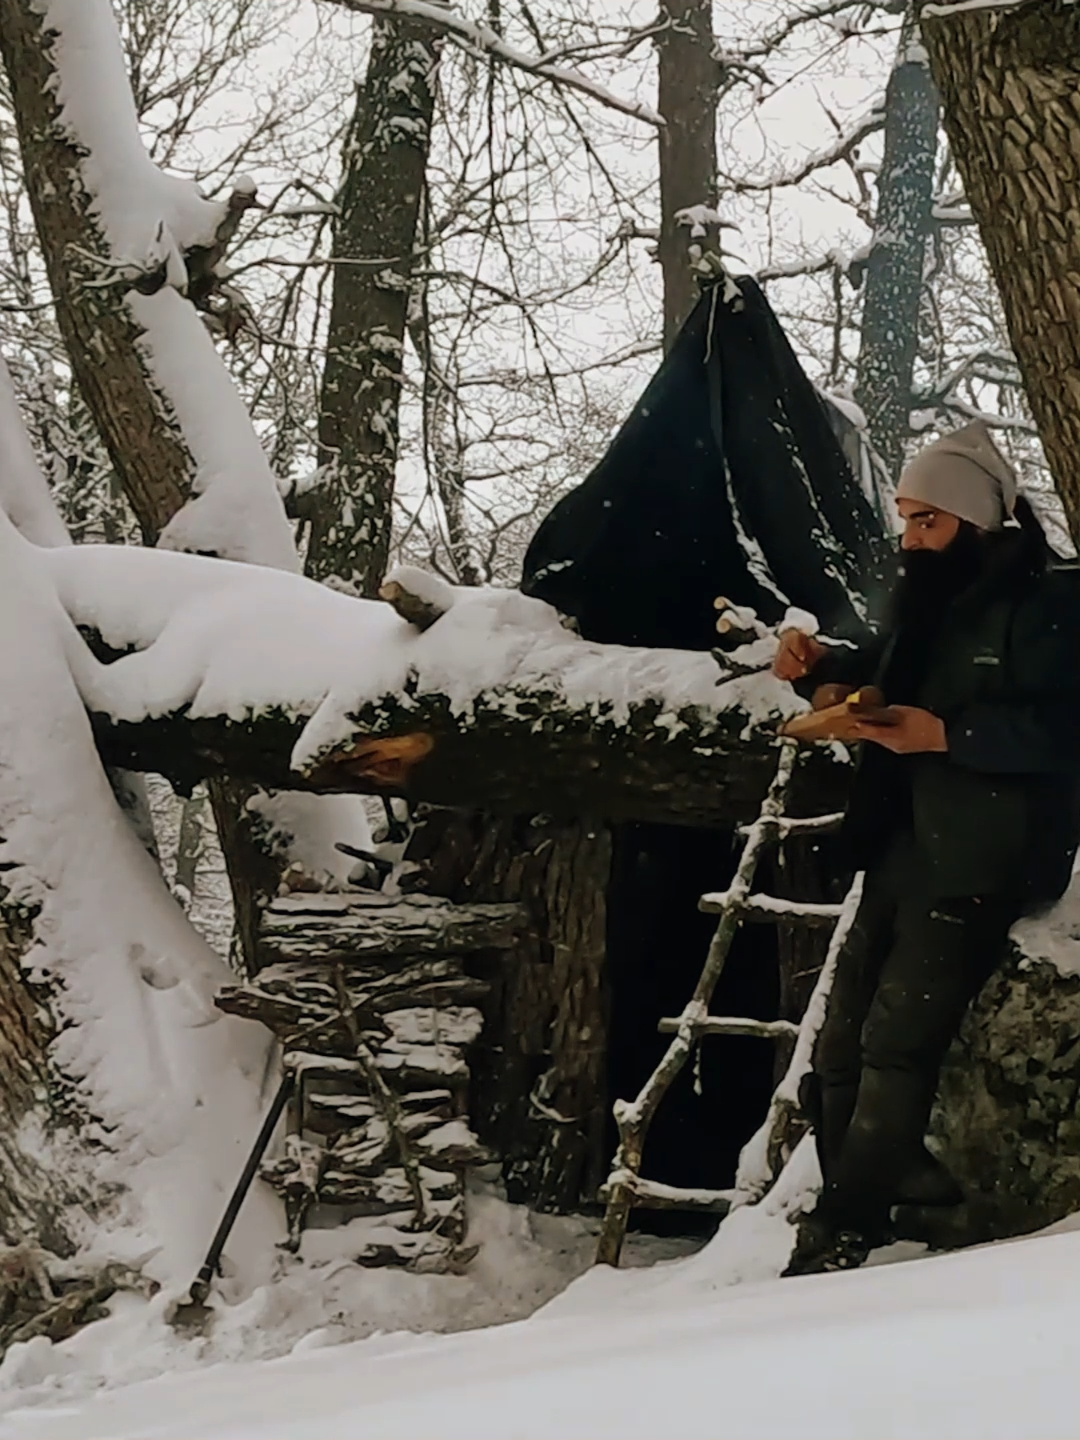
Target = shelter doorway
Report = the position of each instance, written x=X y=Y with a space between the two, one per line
x=656 y=944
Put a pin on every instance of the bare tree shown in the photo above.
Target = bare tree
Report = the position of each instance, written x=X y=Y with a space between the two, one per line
x=351 y=511
x=688 y=85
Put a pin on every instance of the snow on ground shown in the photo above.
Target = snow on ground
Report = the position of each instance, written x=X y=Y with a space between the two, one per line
x=319 y=1299
x=974 y=1346
x=232 y=639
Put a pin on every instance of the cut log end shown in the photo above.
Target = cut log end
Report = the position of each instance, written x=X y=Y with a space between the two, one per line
x=418 y=611
x=386 y=762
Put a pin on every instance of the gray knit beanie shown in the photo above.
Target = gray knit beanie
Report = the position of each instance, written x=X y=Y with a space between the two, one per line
x=965 y=474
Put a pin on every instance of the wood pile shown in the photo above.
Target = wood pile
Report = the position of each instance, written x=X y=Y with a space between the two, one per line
x=375 y=1012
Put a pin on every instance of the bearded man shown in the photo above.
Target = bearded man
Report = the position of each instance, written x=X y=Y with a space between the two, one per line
x=964 y=815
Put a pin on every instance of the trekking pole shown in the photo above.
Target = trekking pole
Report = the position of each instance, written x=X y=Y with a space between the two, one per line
x=200 y=1286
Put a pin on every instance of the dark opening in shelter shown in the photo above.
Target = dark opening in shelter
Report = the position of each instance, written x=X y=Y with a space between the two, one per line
x=727 y=478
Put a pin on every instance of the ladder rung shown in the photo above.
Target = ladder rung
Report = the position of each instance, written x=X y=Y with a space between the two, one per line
x=768 y=908
x=784 y=825
x=653 y=1195
x=732 y=1025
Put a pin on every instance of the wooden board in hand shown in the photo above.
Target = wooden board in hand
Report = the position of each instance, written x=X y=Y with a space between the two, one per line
x=838 y=722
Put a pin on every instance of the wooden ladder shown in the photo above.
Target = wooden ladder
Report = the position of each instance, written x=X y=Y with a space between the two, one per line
x=626 y=1188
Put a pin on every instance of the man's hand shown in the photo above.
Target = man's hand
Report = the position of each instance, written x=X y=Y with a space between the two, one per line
x=916 y=732
x=797 y=655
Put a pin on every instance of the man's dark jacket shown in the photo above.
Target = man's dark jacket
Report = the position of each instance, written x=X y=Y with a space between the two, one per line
x=999 y=813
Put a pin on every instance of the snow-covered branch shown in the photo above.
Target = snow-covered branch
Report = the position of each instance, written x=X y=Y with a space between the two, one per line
x=840 y=149
x=24 y=492
x=481 y=39
x=961 y=7
x=177 y=431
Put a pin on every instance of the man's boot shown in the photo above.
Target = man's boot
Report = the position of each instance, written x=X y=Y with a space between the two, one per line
x=885 y=1131
x=820 y=1247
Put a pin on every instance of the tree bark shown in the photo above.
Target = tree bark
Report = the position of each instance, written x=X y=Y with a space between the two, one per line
x=100 y=335
x=374 y=236
x=538 y=1089
x=33 y=1197
x=1010 y=88
x=189 y=844
x=689 y=80
x=894 y=271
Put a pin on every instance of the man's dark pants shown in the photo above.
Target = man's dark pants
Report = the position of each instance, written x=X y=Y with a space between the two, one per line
x=904 y=978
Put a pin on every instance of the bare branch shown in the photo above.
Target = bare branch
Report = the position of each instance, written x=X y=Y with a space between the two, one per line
x=480 y=39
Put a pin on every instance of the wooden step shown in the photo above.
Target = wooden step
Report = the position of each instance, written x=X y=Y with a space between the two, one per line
x=653 y=1195
x=769 y=909
x=781 y=826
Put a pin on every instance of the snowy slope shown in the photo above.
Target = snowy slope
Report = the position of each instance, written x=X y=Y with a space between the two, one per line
x=979 y=1344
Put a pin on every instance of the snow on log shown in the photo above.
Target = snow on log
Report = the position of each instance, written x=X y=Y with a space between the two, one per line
x=417 y=596
x=234 y=669
x=299 y=1004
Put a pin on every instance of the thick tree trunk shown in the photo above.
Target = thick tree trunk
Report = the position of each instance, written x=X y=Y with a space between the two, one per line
x=538 y=1086
x=1009 y=81
x=100 y=334
x=689 y=81
x=374 y=236
x=894 y=271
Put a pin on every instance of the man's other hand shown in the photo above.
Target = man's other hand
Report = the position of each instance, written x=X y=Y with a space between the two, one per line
x=797 y=655
x=914 y=732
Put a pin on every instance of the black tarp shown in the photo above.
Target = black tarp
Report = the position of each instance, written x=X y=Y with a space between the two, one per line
x=726 y=479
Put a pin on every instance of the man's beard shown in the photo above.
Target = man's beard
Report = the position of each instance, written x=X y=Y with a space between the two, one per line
x=931 y=579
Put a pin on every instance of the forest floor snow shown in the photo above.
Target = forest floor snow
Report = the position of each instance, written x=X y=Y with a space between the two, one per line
x=978 y=1345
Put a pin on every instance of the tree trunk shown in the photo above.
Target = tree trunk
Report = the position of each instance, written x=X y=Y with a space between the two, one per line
x=689 y=81
x=189 y=844
x=538 y=1087
x=1010 y=88
x=100 y=335
x=32 y=1198
x=894 y=271
x=374 y=237
x=444 y=452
